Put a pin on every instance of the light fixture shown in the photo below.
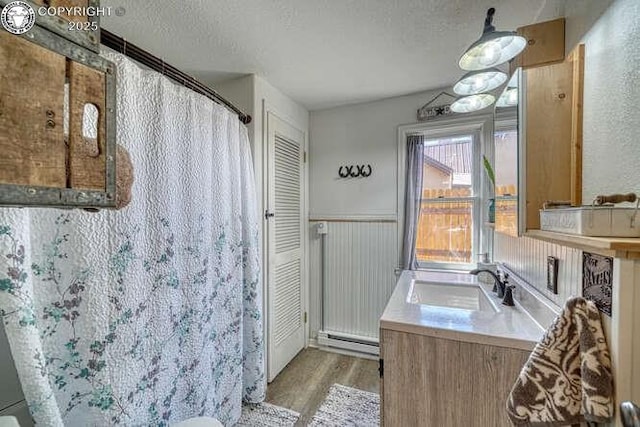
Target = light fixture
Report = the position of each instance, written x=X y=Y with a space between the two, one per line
x=509 y=98
x=492 y=48
x=480 y=81
x=472 y=103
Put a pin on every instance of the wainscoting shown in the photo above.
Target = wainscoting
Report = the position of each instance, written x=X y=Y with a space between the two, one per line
x=528 y=258
x=359 y=272
x=360 y=258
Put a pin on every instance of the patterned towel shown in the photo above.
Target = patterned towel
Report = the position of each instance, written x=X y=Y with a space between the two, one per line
x=567 y=379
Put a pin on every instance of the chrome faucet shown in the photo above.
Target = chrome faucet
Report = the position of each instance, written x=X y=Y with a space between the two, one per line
x=500 y=285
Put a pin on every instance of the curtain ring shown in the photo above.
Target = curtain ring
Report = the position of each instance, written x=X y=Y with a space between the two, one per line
x=353 y=174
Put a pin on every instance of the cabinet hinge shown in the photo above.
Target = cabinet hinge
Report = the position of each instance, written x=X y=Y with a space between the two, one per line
x=305 y=317
x=381 y=367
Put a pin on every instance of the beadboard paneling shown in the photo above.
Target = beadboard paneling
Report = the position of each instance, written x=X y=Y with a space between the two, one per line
x=359 y=276
x=528 y=258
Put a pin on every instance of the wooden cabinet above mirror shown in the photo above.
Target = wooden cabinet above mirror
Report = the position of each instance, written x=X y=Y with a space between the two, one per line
x=545 y=44
x=551 y=132
x=549 y=128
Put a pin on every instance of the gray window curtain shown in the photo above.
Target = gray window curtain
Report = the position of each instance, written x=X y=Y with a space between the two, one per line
x=412 y=200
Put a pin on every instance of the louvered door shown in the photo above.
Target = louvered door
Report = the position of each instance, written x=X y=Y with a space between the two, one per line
x=286 y=250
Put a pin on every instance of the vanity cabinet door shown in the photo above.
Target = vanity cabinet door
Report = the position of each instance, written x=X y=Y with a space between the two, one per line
x=440 y=382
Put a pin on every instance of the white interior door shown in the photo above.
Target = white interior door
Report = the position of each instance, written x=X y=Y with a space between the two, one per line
x=285 y=243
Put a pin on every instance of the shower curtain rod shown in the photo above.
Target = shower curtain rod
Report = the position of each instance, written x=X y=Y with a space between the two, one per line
x=119 y=44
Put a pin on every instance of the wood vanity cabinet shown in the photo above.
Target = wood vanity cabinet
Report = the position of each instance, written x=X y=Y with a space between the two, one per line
x=429 y=381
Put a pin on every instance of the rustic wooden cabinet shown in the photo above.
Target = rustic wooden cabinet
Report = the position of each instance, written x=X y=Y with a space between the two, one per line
x=54 y=89
x=551 y=136
x=429 y=381
x=545 y=44
x=81 y=26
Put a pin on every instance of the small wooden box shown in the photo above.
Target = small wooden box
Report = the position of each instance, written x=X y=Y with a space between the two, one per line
x=45 y=160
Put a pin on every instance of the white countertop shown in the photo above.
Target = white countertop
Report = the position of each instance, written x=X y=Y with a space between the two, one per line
x=510 y=327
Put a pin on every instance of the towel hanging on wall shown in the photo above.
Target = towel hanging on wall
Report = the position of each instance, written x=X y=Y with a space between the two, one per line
x=567 y=379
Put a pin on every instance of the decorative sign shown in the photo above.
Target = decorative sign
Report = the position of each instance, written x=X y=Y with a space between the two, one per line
x=597 y=280
x=438 y=107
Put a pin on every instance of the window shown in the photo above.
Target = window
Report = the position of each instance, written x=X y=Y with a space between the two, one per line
x=506 y=161
x=447 y=225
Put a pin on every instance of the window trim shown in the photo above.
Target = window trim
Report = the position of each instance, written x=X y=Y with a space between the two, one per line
x=481 y=126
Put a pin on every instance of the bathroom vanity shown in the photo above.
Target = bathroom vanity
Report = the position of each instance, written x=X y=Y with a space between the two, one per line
x=450 y=351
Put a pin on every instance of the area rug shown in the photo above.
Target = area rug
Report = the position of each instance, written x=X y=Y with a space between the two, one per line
x=266 y=415
x=346 y=406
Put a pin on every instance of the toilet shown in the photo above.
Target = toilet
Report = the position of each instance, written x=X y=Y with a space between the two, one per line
x=199 y=422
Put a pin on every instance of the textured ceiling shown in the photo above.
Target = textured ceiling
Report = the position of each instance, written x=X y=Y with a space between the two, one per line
x=322 y=53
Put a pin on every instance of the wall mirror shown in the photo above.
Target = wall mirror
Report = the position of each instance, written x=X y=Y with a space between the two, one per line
x=506 y=159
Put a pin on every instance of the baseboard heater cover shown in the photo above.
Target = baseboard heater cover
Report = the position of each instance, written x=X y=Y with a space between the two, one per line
x=349 y=342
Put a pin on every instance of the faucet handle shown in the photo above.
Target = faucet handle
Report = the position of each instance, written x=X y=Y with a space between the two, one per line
x=508 y=295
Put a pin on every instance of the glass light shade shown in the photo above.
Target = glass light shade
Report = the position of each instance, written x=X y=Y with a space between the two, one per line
x=493 y=48
x=472 y=103
x=480 y=81
x=509 y=98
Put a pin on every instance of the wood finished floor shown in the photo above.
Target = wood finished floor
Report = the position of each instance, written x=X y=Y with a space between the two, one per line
x=305 y=382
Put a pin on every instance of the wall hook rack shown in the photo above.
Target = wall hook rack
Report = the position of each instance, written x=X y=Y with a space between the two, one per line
x=355 y=171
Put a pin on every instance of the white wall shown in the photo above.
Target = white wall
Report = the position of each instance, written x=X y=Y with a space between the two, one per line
x=611 y=147
x=355 y=135
x=362 y=243
x=256 y=96
x=241 y=92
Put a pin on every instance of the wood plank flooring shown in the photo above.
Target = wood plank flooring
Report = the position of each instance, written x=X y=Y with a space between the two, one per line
x=305 y=382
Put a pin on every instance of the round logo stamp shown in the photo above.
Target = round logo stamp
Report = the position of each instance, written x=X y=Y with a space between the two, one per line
x=18 y=17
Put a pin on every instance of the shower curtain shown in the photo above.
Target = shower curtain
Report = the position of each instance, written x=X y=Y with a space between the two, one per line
x=152 y=314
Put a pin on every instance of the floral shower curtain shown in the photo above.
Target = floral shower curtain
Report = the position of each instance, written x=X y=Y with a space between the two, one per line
x=152 y=314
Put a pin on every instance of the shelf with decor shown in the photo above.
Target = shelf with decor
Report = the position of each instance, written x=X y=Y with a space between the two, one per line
x=618 y=247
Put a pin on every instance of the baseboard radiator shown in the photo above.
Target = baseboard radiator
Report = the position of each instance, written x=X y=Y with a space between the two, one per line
x=348 y=342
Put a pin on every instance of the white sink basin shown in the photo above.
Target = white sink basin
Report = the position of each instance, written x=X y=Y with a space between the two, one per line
x=456 y=296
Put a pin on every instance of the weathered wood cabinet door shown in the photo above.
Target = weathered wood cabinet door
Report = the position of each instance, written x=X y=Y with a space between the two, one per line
x=75 y=20
x=57 y=122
